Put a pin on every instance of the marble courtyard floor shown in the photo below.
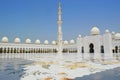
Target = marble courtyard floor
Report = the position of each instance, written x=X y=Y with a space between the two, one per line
x=47 y=67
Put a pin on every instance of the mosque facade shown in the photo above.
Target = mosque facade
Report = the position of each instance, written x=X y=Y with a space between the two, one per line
x=95 y=44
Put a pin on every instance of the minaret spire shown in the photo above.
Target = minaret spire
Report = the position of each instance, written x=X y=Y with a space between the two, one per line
x=59 y=28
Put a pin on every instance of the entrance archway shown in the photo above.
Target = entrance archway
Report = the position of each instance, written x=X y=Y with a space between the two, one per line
x=91 y=51
x=91 y=48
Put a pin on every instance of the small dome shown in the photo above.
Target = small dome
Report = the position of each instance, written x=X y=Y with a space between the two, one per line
x=37 y=41
x=107 y=31
x=113 y=32
x=17 y=40
x=117 y=36
x=79 y=36
x=65 y=42
x=5 y=40
x=54 y=42
x=28 y=41
x=95 y=31
x=46 y=42
x=72 y=41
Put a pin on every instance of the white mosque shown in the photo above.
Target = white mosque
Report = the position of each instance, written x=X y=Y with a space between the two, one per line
x=107 y=44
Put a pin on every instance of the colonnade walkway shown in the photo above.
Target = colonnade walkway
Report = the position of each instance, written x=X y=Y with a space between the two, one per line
x=67 y=56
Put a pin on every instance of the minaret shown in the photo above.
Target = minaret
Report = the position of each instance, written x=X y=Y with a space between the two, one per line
x=59 y=28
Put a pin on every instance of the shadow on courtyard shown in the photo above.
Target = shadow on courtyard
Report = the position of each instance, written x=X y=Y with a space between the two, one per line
x=113 y=74
x=12 y=68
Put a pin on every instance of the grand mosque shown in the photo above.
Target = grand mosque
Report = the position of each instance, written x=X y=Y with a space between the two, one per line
x=107 y=44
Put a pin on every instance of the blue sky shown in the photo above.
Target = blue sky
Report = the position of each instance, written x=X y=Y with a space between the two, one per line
x=37 y=19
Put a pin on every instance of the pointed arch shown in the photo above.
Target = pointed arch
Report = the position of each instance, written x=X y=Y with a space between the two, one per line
x=116 y=49
x=82 y=49
x=102 y=49
x=91 y=48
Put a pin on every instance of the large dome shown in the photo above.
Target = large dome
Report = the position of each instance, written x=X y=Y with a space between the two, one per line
x=72 y=41
x=95 y=31
x=28 y=41
x=117 y=36
x=46 y=42
x=65 y=42
x=37 y=41
x=54 y=42
x=5 y=40
x=17 y=40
